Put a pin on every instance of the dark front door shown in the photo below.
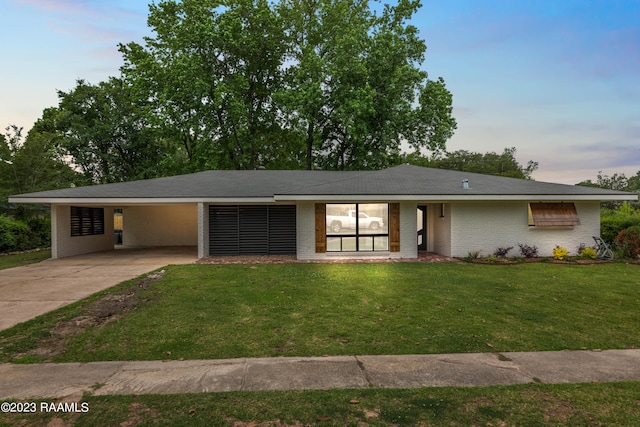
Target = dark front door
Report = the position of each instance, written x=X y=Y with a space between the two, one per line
x=422 y=228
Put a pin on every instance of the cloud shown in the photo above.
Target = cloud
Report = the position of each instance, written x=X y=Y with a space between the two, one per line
x=88 y=21
x=612 y=154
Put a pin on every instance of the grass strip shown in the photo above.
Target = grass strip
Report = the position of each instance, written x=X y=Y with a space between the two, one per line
x=612 y=404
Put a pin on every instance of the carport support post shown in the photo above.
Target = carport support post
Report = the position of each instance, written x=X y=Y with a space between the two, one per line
x=203 y=230
x=54 y=231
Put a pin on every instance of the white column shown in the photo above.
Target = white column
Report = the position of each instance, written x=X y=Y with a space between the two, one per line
x=203 y=230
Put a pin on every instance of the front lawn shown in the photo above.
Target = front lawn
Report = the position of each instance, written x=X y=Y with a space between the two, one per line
x=24 y=258
x=229 y=311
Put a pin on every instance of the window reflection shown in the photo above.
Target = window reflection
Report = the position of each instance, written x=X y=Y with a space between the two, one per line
x=357 y=227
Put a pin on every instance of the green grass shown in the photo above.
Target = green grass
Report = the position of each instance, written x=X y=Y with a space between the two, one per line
x=221 y=311
x=227 y=311
x=17 y=260
x=614 y=404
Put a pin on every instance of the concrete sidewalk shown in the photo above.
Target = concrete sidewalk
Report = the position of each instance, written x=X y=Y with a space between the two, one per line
x=50 y=380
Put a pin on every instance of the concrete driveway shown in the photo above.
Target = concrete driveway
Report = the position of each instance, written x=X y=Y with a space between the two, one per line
x=32 y=290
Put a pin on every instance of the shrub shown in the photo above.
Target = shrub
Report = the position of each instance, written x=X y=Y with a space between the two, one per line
x=612 y=222
x=528 y=251
x=40 y=229
x=472 y=255
x=628 y=240
x=560 y=253
x=17 y=235
x=502 y=252
x=588 y=253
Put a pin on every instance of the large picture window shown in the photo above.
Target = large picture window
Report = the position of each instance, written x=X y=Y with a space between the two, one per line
x=357 y=227
x=86 y=221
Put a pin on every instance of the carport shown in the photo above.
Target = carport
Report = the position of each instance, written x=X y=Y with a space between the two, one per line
x=89 y=227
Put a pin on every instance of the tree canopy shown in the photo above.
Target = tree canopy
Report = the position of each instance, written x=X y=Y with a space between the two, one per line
x=238 y=84
x=30 y=164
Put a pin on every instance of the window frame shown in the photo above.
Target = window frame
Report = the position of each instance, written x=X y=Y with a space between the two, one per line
x=86 y=221
x=356 y=234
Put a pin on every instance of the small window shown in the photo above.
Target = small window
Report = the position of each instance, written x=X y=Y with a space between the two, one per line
x=553 y=215
x=86 y=221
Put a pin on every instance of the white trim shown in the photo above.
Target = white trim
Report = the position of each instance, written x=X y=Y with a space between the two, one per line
x=123 y=201
x=448 y=198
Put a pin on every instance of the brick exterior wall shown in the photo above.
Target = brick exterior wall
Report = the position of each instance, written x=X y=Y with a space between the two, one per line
x=63 y=245
x=484 y=226
x=439 y=229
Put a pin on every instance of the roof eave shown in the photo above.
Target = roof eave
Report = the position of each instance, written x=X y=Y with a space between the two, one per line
x=455 y=197
x=117 y=201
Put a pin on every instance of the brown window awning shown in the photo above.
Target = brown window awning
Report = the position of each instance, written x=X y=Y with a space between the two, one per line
x=553 y=214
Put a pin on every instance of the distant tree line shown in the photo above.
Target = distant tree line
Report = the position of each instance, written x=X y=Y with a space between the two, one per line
x=504 y=164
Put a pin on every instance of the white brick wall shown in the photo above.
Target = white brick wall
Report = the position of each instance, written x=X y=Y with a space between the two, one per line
x=161 y=225
x=484 y=226
x=306 y=231
x=408 y=231
x=439 y=229
x=63 y=245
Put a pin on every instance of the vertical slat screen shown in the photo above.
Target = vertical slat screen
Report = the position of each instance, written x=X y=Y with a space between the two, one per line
x=282 y=230
x=223 y=230
x=252 y=230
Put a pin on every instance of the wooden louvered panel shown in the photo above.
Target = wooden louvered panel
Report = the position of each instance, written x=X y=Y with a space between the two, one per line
x=394 y=227
x=321 y=228
x=554 y=214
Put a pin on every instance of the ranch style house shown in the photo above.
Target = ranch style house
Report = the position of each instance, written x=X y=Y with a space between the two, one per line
x=314 y=214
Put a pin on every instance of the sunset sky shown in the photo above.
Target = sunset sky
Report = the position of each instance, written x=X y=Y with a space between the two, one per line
x=558 y=80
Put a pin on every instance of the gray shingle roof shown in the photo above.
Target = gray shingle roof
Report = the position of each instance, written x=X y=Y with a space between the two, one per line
x=404 y=180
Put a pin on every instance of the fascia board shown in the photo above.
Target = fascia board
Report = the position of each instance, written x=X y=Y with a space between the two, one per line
x=138 y=201
x=440 y=197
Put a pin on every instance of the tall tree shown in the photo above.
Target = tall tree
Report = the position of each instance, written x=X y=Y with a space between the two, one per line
x=210 y=71
x=242 y=83
x=104 y=130
x=354 y=87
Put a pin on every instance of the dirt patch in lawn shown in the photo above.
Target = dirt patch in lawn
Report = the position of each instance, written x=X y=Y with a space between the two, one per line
x=553 y=408
x=105 y=310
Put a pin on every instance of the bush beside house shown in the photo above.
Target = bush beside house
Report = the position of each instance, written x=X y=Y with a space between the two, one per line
x=628 y=240
x=21 y=235
x=613 y=221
